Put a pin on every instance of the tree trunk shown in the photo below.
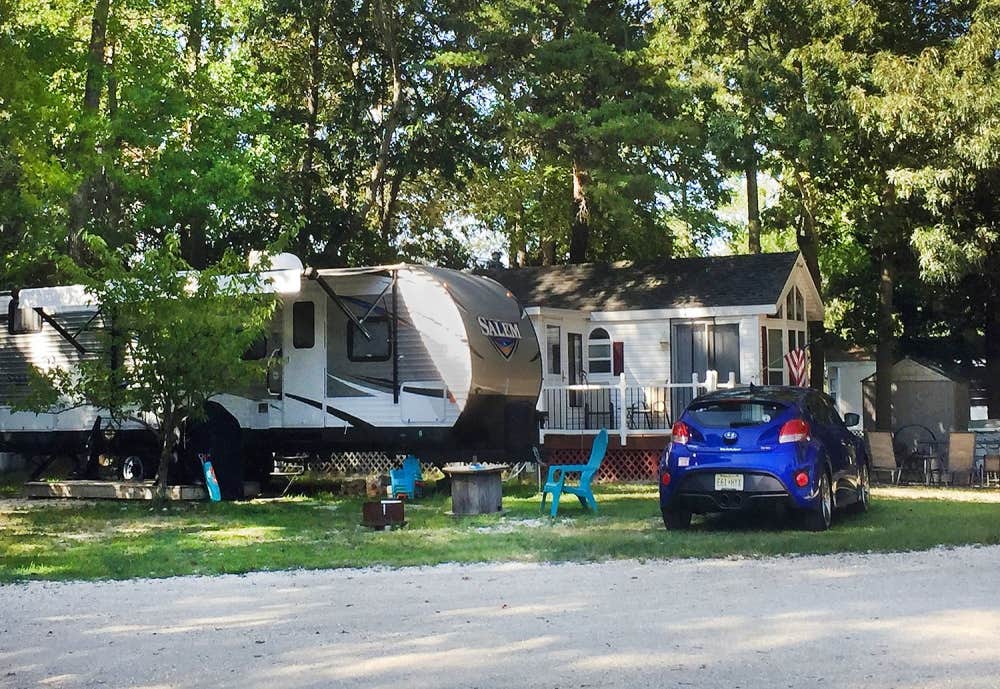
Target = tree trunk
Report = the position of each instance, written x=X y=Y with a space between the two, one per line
x=113 y=189
x=388 y=221
x=991 y=330
x=548 y=252
x=753 y=202
x=391 y=115
x=808 y=243
x=194 y=242
x=579 y=239
x=167 y=442
x=886 y=352
x=307 y=173
x=80 y=204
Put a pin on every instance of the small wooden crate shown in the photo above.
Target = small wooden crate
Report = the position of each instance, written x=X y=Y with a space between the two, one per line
x=383 y=513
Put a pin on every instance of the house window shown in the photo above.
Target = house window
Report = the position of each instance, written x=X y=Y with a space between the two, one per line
x=790 y=305
x=378 y=348
x=775 y=357
x=800 y=306
x=553 y=349
x=303 y=325
x=834 y=383
x=599 y=351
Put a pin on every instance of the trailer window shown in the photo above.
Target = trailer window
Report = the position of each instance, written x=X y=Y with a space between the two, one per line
x=360 y=348
x=23 y=321
x=257 y=350
x=303 y=325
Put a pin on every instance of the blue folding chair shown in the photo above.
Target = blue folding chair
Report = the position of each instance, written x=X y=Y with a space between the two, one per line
x=407 y=480
x=555 y=483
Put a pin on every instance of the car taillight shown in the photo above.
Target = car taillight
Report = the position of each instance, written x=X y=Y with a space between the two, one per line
x=794 y=431
x=680 y=433
x=801 y=479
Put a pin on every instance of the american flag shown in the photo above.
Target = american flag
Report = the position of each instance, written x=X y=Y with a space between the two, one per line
x=796 y=360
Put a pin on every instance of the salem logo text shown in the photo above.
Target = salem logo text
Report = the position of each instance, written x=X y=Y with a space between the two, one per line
x=502 y=334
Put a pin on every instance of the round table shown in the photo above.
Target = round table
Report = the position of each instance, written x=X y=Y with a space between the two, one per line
x=475 y=488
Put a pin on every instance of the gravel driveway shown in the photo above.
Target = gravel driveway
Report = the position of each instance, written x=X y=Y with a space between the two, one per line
x=929 y=619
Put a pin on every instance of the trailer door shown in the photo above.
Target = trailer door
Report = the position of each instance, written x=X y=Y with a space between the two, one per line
x=304 y=381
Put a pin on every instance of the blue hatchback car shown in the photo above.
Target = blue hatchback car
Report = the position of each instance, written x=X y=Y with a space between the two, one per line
x=763 y=447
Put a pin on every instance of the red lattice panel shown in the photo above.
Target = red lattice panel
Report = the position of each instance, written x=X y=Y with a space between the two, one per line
x=619 y=465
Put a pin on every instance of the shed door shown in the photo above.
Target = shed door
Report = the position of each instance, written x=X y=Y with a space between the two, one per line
x=696 y=347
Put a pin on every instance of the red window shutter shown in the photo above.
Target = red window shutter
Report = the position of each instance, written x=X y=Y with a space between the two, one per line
x=617 y=358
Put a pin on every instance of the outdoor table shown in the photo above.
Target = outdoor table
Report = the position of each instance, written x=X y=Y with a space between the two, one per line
x=928 y=463
x=475 y=488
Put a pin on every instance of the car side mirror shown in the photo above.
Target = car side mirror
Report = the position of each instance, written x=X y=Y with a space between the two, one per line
x=851 y=419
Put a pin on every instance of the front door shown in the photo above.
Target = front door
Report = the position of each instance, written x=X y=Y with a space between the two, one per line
x=304 y=375
x=697 y=347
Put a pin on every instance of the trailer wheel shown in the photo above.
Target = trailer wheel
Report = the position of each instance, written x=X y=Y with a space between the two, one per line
x=132 y=468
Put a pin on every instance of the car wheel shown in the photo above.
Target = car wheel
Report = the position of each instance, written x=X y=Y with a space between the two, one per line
x=864 y=490
x=820 y=517
x=132 y=469
x=675 y=519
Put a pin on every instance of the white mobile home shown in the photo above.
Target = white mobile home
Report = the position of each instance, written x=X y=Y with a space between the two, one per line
x=656 y=324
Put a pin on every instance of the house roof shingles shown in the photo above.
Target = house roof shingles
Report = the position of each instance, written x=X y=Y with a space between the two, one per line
x=713 y=281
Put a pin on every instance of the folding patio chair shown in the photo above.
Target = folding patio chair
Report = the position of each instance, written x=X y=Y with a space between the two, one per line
x=883 y=455
x=961 y=456
x=991 y=470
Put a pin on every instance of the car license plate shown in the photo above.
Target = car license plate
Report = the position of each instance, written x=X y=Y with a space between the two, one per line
x=729 y=482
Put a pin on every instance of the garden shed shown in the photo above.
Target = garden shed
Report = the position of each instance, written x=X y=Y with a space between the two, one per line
x=923 y=394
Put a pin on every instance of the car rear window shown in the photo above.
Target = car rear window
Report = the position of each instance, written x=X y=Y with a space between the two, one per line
x=733 y=413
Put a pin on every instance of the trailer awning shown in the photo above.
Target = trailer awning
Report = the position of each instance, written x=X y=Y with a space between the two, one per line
x=283 y=277
x=347 y=272
x=56 y=299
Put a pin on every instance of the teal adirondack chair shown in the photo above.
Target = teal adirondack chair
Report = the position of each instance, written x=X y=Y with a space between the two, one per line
x=556 y=481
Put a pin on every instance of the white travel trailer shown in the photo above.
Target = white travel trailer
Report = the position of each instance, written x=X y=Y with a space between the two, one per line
x=396 y=358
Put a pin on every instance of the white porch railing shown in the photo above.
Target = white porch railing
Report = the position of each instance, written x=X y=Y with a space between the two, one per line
x=640 y=409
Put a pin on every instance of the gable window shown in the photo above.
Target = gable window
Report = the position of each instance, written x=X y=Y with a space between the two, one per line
x=303 y=325
x=800 y=306
x=360 y=348
x=553 y=350
x=599 y=351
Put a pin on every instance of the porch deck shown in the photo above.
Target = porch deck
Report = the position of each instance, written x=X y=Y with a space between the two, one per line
x=643 y=409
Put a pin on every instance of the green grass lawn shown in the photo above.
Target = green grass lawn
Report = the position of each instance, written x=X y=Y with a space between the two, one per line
x=69 y=540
